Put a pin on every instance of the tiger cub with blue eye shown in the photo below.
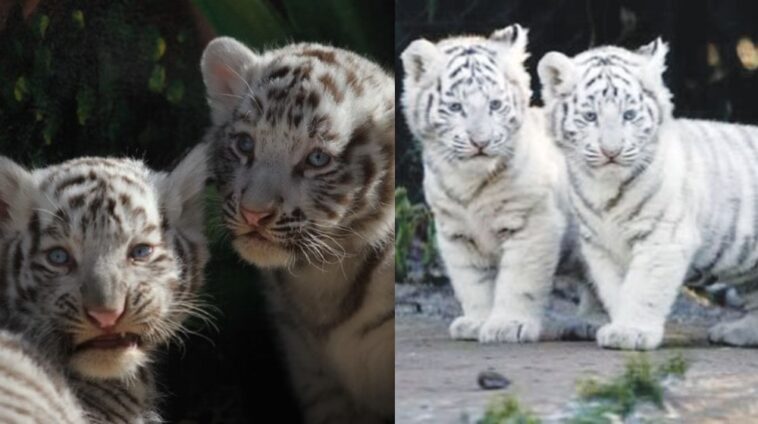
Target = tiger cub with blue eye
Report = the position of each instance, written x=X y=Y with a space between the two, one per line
x=101 y=261
x=493 y=179
x=660 y=200
x=303 y=153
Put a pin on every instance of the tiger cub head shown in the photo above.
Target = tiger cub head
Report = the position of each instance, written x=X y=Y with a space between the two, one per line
x=101 y=259
x=606 y=105
x=303 y=150
x=465 y=98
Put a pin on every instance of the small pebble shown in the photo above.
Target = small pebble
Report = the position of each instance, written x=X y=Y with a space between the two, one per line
x=491 y=380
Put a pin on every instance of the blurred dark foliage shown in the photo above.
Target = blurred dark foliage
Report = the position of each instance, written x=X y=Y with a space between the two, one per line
x=705 y=74
x=92 y=78
x=122 y=78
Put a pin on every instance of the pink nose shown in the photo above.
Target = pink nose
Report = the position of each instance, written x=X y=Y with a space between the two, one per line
x=105 y=318
x=480 y=144
x=253 y=218
x=610 y=153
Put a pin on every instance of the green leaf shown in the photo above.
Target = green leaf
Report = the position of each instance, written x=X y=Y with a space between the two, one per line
x=42 y=59
x=254 y=22
x=44 y=23
x=160 y=48
x=21 y=89
x=51 y=128
x=78 y=17
x=157 y=81
x=85 y=104
x=175 y=92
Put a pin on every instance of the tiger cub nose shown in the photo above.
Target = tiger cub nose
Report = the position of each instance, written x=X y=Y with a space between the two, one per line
x=254 y=218
x=105 y=318
x=610 y=153
x=480 y=144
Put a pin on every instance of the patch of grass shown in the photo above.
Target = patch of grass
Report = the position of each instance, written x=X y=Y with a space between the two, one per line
x=601 y=402
x=414 y=234
x=605 y=402
x=507 y=410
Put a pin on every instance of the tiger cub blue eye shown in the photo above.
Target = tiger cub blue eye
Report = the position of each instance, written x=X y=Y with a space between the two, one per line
x=495 y=104
x=58 y=256
x=245 y=144
x=456 y=107
x=629 y=115
x=318 y=159
x=590 y=116
x=141 y=252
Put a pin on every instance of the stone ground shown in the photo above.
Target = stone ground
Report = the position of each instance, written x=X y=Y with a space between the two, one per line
x=436 y=377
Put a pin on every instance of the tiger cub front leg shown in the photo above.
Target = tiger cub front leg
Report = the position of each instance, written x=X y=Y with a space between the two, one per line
x=472 y=276
x=741 y=332
x=531 y=251
x=649 y=289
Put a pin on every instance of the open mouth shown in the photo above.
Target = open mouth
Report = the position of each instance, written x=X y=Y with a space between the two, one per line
x=111 y=341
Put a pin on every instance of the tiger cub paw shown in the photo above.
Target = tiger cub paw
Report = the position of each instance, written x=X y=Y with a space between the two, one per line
x=629 y=337
x=742 y=332
x=465 y=328
x=505 y=329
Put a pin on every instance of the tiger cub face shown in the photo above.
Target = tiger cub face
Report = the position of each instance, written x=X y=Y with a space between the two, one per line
x=303 y=149
x=606 y=105
x=101 y=259
x=466 y=97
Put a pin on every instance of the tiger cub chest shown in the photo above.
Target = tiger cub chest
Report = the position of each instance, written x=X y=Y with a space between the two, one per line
x=485 y=223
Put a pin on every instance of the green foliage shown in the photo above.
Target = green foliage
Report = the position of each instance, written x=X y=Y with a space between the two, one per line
x=507 y=410
x=78 y=17
x=357 y=25
x=602 y=402
x=100 y=78
x=413 y=223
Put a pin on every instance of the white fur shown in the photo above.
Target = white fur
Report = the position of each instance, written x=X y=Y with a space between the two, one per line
x=32 y=392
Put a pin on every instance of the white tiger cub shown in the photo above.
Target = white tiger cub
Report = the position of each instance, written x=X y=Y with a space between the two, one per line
x=656 y=197
x=303 y=149
x=100 y=263
x=492 y=178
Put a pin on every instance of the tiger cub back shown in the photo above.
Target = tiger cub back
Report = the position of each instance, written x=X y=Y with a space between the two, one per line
x=100 y=263
x=303 y=152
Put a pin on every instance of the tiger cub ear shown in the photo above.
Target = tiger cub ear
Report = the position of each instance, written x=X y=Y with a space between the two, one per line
x=225 y=64
x=514 y=37
x=421 y=60
x=651 y=71
x=557 y=74
x=656 y=52
x=18 y=196
x=182 y=191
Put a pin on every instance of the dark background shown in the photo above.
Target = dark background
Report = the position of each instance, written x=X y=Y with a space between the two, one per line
x=122 y=78
x=713 y=85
